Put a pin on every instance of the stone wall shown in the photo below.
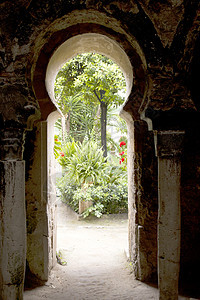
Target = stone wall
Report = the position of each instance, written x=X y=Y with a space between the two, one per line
x=40 y=201
x=161 y=40
x=190 y=207
x=146 y=203
x=36 y=203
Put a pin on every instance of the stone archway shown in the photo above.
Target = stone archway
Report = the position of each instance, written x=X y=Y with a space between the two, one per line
x=28 y=42
x=88 y=42
x=61 y=45
x=81 y=43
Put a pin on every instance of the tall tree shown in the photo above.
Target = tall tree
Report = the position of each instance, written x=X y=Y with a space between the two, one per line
x=98 y=79
x=79 y=118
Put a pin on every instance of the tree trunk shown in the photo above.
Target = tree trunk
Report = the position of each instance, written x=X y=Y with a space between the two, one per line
x=103 y=127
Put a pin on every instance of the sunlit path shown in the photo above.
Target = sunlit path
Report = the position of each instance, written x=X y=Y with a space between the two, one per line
x=96 y=263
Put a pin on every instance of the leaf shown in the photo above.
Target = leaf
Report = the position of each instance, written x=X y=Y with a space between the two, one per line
x=74 y=92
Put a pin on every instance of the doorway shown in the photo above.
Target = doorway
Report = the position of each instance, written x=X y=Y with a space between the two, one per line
x=134 y=71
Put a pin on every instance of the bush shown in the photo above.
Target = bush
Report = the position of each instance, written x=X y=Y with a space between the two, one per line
x=67 y=191
x=111 y=199
x=82 y=163
x=88 y=176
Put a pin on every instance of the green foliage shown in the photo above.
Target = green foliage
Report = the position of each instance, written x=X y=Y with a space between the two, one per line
x=87 y=73
x=83 y=83
x=110 y=199
x=87 y=164
x=83 y=162
x=123 y=153
x=60 y=259
x=79 y=118
x=57 y=146
x=67 y=152
x=95 y=210
x=67 y=191
x=81 y=86
x=120 y=125
x=106 y=187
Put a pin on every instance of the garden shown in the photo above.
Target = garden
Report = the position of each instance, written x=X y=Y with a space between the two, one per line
x=90 y=141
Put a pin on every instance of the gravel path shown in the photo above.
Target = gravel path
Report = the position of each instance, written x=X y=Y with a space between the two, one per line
x=96 y=267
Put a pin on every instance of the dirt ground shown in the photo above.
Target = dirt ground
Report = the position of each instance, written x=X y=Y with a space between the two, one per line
x=94 y=263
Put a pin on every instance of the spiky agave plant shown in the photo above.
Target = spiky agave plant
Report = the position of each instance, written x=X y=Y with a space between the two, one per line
x=87 y=164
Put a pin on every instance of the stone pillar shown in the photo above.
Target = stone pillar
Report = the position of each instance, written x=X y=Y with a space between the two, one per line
x=168 y=150
x=18 y=111
x=36 y=206
x=142 y=198
x=12 y=210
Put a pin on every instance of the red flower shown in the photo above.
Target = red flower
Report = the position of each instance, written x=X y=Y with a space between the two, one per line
x=56 y=140
x=62 y=154
x=122 y=159
x=122 y=144
x=121 y=153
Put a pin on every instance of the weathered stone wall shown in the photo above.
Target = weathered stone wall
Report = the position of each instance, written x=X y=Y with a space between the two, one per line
x=190 y=191
x=146 y=203
x=40 y=202
x=190 y=207
x=12 y=229
x=36 y=203
x=161 y=39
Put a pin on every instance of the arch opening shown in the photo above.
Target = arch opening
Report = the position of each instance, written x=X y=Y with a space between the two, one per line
x=88 y=42
x=85 y=43
x=100 y=206
x=127 y=57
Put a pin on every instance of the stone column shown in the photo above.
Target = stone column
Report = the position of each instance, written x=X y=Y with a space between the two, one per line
x=18 y=111
x=12 y=210
x=168 y=150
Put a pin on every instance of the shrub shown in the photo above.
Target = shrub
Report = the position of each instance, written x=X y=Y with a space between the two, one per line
x=111 y=199
x=88 y=176
x=83 y=163
x=66 y=153
x=67 y=191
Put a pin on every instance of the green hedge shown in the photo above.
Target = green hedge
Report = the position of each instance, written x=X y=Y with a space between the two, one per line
x=109 y=199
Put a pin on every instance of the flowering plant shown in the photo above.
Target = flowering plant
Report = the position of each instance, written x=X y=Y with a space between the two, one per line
x=122 y=143
x=62 y=153
x=123 y=154
x=66 y=152
x=57 y=146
